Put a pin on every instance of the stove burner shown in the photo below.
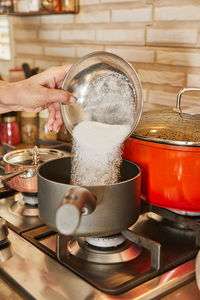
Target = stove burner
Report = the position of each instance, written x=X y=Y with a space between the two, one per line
x=185 y=213
x=25 y=205
x=106 y=241
x=104 y=250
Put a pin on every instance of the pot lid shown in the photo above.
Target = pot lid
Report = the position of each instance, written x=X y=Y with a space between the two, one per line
x=179 y=126
x=32 y=156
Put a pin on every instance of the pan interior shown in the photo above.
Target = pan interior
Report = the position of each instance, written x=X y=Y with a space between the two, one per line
x=59 y=170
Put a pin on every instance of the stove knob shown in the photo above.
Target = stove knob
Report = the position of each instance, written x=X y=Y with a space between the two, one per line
x=5 y=249
x=3 y=230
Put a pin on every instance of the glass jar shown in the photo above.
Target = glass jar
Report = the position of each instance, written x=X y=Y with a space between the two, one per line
x=64 y=134
x=10 y=133
x=16 y=75
x=47 y=4
x=69 y=5
x=29 y=128
x=44 y=133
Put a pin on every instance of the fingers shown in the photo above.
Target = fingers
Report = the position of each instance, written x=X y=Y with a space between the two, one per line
x=55 y=117
x=51 y=118
x=56 y=95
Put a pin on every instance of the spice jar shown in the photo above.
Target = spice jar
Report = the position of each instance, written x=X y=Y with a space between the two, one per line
x=10 y=133
x=44 y=133
x=28 y=126
x=16 y=75
x=64 y=134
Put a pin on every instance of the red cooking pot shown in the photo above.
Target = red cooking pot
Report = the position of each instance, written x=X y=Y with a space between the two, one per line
x=166 y=145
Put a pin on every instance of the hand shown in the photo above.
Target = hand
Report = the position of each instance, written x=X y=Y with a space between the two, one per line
x=36 y=93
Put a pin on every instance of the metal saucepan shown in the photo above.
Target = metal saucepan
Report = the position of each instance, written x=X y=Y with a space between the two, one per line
x=91 y=210
x=21 y=167
x=166 y=145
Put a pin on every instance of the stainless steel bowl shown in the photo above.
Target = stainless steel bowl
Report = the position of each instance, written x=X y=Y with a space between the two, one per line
x=82 y=81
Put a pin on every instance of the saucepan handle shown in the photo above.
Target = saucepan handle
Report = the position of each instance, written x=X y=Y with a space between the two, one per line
x=28 y=173
x=76 y=202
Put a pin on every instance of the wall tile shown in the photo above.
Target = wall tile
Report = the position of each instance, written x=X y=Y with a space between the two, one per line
x=172 y=36
x=135 y=36
x=49 y=35
x=177 y=13
x=91 y=17
x=162 y=97
x=162 y=77
x=45 y=64
x=133 y=15
x=60 y=51
x=193 y=80
x=170 y=57
x=26 y=21
x=133 y=54
x=84 y=50
x=34 y=49
x=88 y=2
x=117 y=1
x=23 y=34
x=83 y=35
x=58 y=19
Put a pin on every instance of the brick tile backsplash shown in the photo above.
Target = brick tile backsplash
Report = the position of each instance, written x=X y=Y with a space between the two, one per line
x=83 y=35
x=60 y=51
x=160 y=38
x=162 y=77
x=134 y=36
x=177 y=13
x=84 y=50
x=131 y=54
x=172 y=36
x=193 y=80
x=187 y=59
x=133 y=15
x=91 y=17
x=23 y=34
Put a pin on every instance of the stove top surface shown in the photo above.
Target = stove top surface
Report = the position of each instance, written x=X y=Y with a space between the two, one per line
x=167 y=243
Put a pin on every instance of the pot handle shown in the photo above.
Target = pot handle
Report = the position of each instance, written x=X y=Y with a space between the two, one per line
x=77 y=202
x=178 y=101
x=26 y=174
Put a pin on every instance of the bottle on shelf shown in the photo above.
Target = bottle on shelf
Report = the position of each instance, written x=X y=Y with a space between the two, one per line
x=10 y=133
x=28 y=128
x=44 y=133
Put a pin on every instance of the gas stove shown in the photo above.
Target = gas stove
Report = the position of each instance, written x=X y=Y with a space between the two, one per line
x=152 y=259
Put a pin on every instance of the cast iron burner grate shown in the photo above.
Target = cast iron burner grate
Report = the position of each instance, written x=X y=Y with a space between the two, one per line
x=162 y=248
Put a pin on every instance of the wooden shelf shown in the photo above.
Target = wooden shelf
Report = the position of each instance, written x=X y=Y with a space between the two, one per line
x=38 y=13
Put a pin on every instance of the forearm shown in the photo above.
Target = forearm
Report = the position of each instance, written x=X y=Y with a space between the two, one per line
x=4 y=96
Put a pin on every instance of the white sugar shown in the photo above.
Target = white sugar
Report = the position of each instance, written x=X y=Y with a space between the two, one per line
x=108 y=99
x=97 y=152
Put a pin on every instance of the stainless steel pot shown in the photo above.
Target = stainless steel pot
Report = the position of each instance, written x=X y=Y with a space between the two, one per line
x=100 y=104
x=21 y=167
x=91 y=210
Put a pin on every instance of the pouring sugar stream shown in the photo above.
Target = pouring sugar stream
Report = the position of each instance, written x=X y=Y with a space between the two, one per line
x=108 y=108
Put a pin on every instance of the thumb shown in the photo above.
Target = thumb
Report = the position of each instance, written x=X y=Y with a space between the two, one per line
x=58 y=95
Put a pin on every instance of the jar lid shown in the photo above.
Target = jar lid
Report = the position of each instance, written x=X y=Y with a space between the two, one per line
x=44 y=113
x=26 y=114
x=10 y=114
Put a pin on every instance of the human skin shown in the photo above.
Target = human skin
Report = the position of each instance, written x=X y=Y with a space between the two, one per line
x=37 y=93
